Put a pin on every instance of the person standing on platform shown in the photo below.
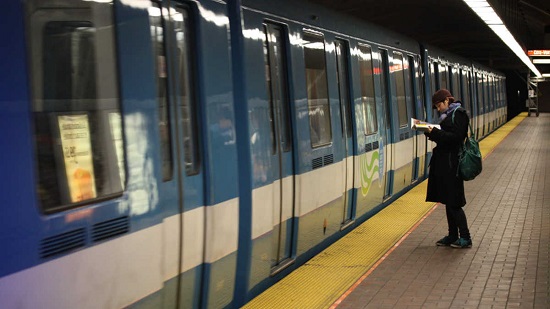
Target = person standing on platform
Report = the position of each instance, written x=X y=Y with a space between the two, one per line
x=444 y=186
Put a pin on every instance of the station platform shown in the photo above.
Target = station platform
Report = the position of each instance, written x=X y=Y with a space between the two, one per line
x=391 y=260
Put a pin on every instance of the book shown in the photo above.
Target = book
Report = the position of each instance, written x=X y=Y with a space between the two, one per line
x=422 y=125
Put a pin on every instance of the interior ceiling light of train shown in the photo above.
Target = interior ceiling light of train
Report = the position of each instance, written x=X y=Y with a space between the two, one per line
x=453 y=26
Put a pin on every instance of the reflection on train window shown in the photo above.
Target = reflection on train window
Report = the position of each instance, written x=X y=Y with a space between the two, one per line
x=465 y=75
x=317 y=90
x=456 y=87
x=384 y=83
x=159 y=52
x=443 y=80
x=188 y=99
x=479 y=83
x=367 y=89
x=417 y=76
x=77 y=122
x=433 y=77
x=410 y=70
x=399 y=75
x=277 y=88
x=342 y=55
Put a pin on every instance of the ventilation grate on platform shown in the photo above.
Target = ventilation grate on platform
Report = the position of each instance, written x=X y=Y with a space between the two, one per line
x=62 y=243
x=110 y=228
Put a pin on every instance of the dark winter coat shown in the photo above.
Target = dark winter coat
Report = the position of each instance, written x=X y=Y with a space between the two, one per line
x=443 y=185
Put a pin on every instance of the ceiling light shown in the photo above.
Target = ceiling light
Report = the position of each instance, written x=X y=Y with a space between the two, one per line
x=488 y=15
x=546 y=75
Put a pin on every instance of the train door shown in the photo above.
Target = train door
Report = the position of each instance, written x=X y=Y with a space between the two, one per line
x=417 y=112
x=183 y=177
x=480 y=106
x=347 y=133
x=388 y=139
x=404 y=143
x=282 y=149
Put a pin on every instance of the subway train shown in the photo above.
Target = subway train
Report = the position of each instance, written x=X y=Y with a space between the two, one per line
x=190 y=154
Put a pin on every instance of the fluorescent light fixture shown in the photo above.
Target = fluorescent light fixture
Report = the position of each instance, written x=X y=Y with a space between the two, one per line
x=488 y=15
x=546 y=75
x=541 y=61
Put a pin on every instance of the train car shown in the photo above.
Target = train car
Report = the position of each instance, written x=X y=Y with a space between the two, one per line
x=190 y=154
x=120 y=187
x=480 y=89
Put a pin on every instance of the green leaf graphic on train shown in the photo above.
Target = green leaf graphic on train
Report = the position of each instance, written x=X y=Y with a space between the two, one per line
x=369 y=168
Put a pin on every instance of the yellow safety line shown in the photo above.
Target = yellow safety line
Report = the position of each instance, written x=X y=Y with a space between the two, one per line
x=324 y=278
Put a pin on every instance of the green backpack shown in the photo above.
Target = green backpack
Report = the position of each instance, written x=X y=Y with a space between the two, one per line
x=469 y=157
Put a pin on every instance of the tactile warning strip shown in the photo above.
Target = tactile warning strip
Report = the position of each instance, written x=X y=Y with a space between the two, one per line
x=321 y=281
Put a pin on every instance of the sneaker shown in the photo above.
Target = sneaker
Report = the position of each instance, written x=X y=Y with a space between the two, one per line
x=446 y=241
x=462 y=243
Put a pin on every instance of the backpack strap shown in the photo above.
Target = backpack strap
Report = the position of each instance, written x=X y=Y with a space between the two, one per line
x=453 y=121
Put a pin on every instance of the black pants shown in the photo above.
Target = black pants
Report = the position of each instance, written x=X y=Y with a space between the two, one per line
x=456 y=219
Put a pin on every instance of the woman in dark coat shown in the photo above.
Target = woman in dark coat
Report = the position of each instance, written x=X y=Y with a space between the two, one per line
x=443 y=184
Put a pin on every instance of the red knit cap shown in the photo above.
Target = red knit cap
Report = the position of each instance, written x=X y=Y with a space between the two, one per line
x=440 y=95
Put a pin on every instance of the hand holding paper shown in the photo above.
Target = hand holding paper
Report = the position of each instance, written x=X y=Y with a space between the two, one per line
x=422 y=125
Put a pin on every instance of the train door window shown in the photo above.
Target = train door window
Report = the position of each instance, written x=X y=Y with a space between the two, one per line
x=479 y=80
x=410 y=70
x=433 y=77
x=455 y=84
x=415 y=81
x=465 y=76
x=493 y=93
x=384 y=84
x=275 y=62
x=399 y=76
x=317 y=89
x=188 y=99
x=443 y=78
x=367 y=89
x=75 y=102
x=486 y=93
x=343 y=84
x=161 y=77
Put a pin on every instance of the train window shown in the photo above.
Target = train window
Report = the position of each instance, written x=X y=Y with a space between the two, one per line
x=188 y=99
x=399 y=76
x=455 y=86
x=159 y=52
x=384 y=84
x=487 y=86
x=276 y=79
x=479 y=94
x=466 y=89
x=343 y=84
x=433 y=77
x=443 y=78
x=367 y=89
x=410 y=69
x=75 y=103
x=317 y=90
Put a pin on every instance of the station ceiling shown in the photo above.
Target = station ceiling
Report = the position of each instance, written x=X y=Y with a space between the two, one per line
x=453 y=26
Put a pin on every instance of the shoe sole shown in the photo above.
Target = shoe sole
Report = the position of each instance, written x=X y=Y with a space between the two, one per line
x=461 y=247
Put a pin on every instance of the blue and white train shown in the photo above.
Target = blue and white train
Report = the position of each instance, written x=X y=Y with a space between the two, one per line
x=192 y=153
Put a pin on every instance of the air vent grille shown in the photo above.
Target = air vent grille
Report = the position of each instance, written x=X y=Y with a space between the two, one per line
x=62 y=243
x=371 y=146
x=328 y=159
x=317 y=163
x=368 y=147
x=110 y=228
